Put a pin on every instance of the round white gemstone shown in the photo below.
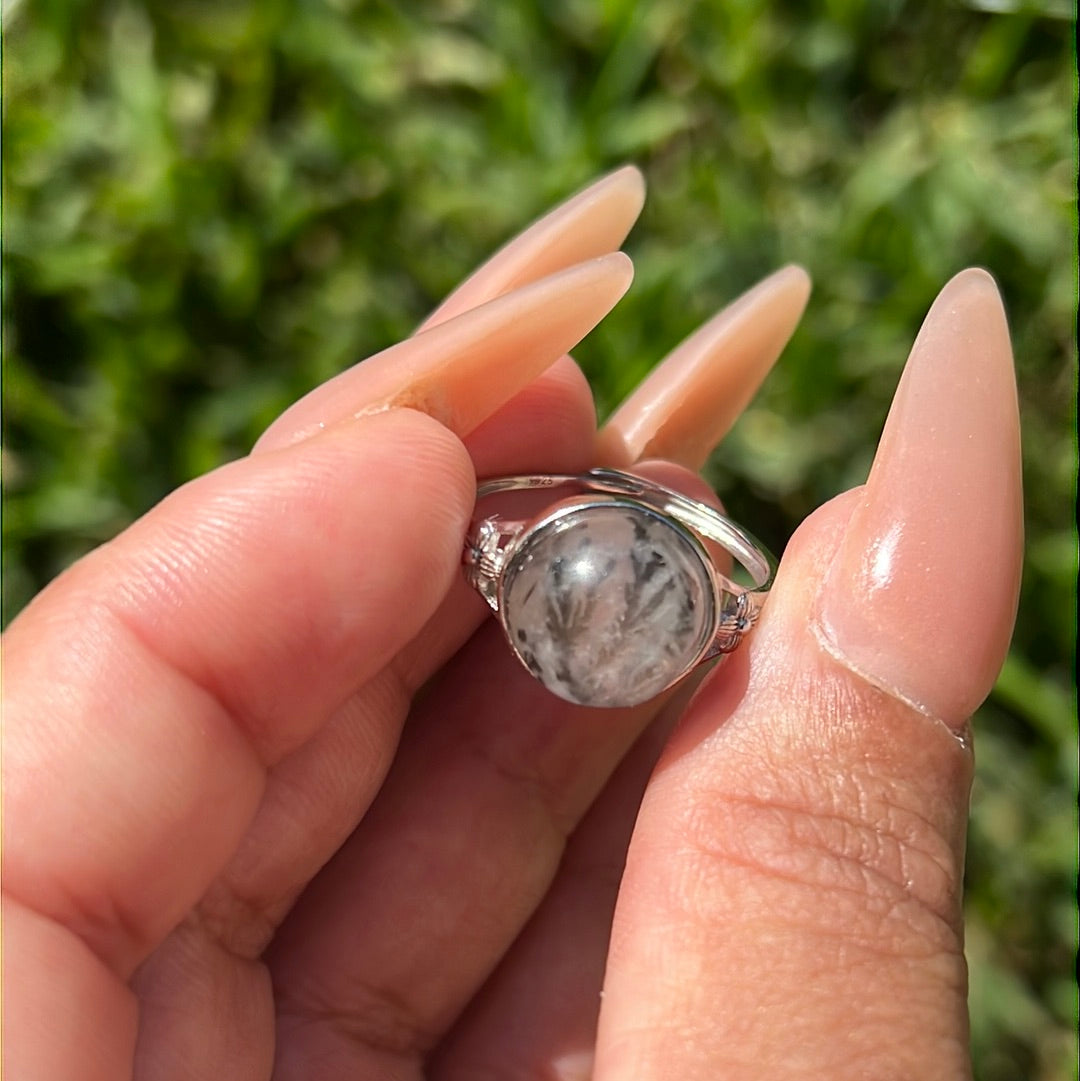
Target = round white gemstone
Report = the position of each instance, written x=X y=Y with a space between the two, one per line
x=608 y=604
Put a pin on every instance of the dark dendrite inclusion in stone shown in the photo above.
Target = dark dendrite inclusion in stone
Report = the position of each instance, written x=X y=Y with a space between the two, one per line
x=608 y=604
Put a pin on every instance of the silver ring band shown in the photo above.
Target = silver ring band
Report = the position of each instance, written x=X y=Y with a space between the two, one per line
x=611 y=596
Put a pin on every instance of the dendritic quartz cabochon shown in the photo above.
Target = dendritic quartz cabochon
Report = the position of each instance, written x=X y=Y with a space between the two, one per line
x=608 y=605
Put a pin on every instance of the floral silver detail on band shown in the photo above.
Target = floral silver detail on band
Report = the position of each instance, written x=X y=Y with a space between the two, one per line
x=610 y=596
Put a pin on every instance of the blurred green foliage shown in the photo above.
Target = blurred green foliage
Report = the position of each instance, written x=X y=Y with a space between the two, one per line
x=211 y=206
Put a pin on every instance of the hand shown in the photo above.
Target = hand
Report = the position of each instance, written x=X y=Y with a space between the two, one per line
x=277 y=800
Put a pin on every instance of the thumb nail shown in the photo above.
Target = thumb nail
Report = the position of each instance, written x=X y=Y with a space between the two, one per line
x=921 y=596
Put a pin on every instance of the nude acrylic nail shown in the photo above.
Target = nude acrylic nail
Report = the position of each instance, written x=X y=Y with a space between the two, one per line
x=921 y=596
x=686 y=405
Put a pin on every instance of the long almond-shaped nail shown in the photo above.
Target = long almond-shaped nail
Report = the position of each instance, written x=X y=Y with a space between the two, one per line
x=688 y=402
x=463 y=370
x=591 y=223
x=921 y=596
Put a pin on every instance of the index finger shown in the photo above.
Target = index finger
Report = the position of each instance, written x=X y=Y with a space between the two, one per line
x=149 y=687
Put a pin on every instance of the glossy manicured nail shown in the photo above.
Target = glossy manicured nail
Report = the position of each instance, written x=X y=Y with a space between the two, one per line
x=921 y=597
x=686 y=405
x=462 y=371
x=586 y=226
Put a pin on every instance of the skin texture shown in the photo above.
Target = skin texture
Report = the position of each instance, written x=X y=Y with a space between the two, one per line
x=279 y=802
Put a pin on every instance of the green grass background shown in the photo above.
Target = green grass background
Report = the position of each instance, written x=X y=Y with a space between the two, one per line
x=211 y=205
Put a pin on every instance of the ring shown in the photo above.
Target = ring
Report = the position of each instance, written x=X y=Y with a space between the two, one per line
x=611 y=596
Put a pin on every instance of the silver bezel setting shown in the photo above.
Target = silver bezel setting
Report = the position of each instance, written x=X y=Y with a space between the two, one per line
x=569 y=513
x=494 y=543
